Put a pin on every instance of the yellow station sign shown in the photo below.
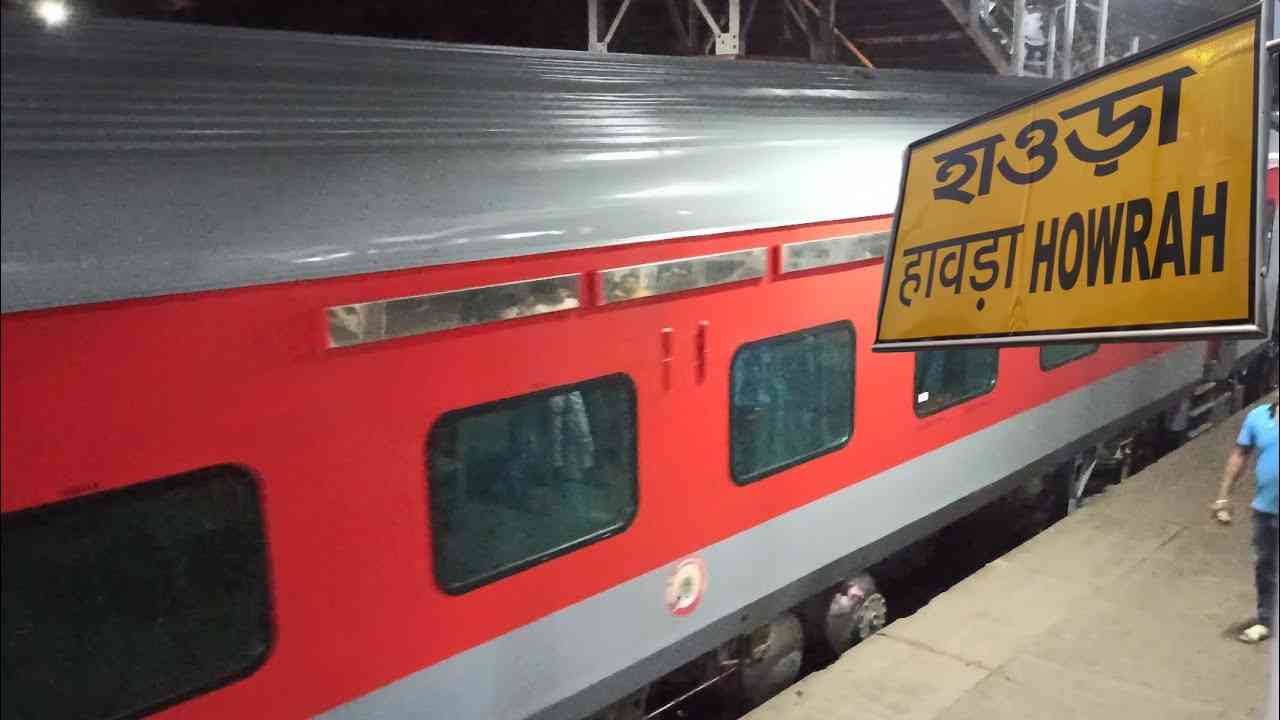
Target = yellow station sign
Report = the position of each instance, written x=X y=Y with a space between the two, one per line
x=1120 y=205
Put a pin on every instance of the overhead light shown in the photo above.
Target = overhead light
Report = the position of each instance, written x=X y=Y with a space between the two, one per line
x=52 y=12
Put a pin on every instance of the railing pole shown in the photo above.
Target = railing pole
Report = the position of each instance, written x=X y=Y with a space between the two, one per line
x=1019 y=36
x=1068 y=55
x=1104 y=9
x=1051 y=56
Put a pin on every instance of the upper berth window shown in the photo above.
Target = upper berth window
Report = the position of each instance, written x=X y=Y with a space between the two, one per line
x=123 y=602
x=675 y=276
x=1054 y=356
x=519 y=481
x=949 y=377
x=792 y=400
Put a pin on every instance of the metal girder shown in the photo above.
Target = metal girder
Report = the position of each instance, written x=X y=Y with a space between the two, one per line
x=617 y=19
x=837 y=35
x=595 y=43
x=824 y=50
x=593 y=27
x=730 y=40
x=726 y=40
x=848 y=44
x=733 y=34
x=706 y=15
x=1005 y=47
x=800 y=20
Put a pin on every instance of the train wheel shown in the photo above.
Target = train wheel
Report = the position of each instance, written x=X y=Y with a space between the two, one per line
x=855 y=611
x=843 y=616
x=774 y=655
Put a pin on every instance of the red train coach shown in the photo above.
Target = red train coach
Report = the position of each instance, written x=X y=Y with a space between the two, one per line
x=367 y=378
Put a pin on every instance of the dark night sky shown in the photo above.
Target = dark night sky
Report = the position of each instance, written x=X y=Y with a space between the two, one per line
x=541 y=23
x=557 y=23
x=529 y=23
x=522 y=23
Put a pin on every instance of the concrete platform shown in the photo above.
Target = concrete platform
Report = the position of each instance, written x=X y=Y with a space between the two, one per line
x=1126 y=609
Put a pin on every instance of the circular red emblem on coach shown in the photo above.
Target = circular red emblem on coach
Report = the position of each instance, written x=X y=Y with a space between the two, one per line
x=686 y=586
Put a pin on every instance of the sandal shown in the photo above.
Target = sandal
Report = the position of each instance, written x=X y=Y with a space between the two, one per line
x=1254 y=634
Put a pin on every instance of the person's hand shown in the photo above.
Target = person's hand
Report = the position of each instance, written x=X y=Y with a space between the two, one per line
x=1222 y=511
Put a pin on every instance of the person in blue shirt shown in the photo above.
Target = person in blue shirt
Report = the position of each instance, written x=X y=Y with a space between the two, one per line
x=1257 y=434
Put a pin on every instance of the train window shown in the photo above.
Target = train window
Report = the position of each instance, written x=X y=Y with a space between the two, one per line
x=522 y=480
x=949 y=377
x=791 y=400
x=1054 y=356
x=123 y=602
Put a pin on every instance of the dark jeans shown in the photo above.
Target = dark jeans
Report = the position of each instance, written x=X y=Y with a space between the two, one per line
x=1266 y=535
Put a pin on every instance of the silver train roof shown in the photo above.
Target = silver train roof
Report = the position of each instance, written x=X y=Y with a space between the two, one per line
x=144 y=158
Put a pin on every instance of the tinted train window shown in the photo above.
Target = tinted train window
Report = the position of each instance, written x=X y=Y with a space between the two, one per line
x=1052 y=356
x=949 y=377
x=519 y=481
x=791 y=400
x=127 y=601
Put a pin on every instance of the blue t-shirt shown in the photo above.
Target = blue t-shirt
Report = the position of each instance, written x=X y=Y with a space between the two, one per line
x=1259 y=432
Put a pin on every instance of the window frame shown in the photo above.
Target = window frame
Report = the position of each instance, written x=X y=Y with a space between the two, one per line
x=915 y=383
x=1046 y=367
x=158 y=486
x=505 y=571
x=745 y=480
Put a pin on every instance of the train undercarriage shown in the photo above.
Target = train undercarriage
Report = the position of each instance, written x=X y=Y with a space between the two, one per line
x=751 y=668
